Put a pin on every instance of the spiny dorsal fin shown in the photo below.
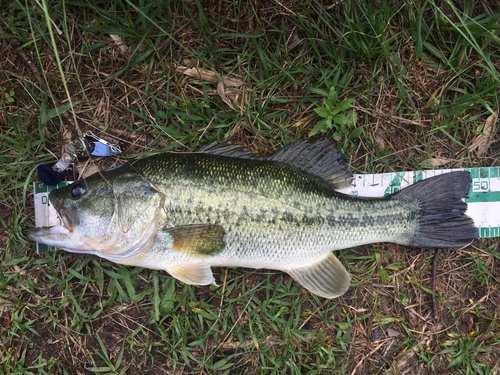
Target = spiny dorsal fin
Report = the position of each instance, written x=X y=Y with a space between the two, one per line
x=315 y=155
x=318 y=157
x=327 y=278
x=229 y=149
x=198 y=240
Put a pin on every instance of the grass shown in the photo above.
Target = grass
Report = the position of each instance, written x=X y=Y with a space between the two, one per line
x=424 y=76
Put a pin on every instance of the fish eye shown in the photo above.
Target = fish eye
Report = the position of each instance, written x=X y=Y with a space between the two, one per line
x=77 y=191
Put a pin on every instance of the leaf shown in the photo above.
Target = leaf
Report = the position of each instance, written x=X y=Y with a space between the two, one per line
x=341 y=119
x=458 y=359
x=437 y=162
x=354 y=117
x=316 y=91
x=435 y=51
x=392 y=332
x=343 y=325
x=482 y=142
x=332 y=96
x=209 y=76
x=322 y=112
x=120 y=43
x=356 y=133
x=328 y=106
x=223 y=364
x=45 y=117
x=320 y=127
x=384 y=321
x=155 y=313
x=343 y=105
x=222 y=93
x=100 y=369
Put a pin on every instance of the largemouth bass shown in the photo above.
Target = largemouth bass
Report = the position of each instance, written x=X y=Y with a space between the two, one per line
x=224 y=206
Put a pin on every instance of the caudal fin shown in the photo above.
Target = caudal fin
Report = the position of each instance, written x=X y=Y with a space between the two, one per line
x=443 y=223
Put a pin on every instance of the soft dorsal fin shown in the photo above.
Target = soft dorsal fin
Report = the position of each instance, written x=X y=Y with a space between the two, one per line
x=327 y=278
x=318 y=157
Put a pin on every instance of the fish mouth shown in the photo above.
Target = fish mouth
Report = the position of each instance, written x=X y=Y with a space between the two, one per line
x=65 y=215
x=47 y=235
x=53 y=235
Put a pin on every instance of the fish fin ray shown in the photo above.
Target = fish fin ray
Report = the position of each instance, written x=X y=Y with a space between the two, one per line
x=192 y=274
x=442 y=222
x=327 y=278
x=229 y=149
x=317 y=156
x=198 y=240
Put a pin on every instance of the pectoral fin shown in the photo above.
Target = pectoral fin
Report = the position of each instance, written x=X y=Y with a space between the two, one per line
x=327 y=278
x=197 y=240
x=193 y=274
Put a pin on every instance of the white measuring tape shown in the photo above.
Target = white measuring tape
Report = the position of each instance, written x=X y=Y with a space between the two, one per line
x=483 y=201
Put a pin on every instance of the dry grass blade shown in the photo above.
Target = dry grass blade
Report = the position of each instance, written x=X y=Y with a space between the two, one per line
x=482 y=142
x=222 y=93
x=120 y=44
x=209 y=76
x=228 y=96
x=438 y=162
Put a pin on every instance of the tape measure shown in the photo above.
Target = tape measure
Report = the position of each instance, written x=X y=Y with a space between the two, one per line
x=483 y=201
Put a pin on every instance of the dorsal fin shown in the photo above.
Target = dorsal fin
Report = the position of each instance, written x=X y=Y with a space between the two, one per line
x=317 y=156
x=227 y=148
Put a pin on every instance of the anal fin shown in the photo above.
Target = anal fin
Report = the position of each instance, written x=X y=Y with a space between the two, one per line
x=327 y=278
x=193 y=274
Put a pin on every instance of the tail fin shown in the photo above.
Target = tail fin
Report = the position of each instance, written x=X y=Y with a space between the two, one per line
x=443 y=222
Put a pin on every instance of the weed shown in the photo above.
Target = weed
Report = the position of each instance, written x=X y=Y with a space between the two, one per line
x=463 y=351
x=333 y=117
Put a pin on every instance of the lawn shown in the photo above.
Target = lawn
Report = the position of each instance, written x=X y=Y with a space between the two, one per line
x=402 y=85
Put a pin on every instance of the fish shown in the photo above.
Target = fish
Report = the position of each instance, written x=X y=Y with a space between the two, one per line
x=224 y=206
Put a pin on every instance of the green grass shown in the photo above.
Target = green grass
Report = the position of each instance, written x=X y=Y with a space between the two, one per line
x=424 y=76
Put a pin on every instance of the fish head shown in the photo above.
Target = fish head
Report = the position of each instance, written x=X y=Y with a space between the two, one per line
x=112 y=214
